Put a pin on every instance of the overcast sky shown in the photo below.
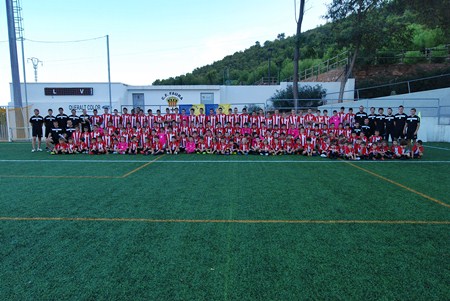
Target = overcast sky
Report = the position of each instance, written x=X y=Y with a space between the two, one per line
x=149 y=39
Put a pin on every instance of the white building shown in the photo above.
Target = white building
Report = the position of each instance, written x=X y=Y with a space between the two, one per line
x=96 y=95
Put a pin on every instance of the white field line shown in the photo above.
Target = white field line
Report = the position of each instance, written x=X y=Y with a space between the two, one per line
x=224 y=161
x=435 y=147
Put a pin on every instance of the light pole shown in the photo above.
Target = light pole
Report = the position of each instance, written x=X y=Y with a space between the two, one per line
x=35 y=61
x=109 y=73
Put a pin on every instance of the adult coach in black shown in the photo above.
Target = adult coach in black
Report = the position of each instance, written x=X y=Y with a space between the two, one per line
x=380 y=122
x=85 y=120
x=37 y=121
x=55 y=133
x=360 y=116
x=412 y=127
x=400 y=120
x=75 y=119
x=389 y=120
x=69 y=129
x=48 y=121
x=62 y=118
x=372 y=120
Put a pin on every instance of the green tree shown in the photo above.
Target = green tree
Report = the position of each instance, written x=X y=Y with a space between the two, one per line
x=353 y=21
x=432 y=13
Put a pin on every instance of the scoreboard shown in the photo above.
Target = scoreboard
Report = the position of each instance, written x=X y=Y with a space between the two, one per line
x=69 y=91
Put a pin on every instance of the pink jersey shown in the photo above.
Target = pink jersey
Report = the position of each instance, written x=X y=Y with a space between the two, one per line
x=123 y=146
x=335 y=120
x=190 y=147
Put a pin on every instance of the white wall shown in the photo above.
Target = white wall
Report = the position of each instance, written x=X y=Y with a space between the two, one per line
x=154 y=95
x=37 y=98
x=247 y=94
x=122 y=94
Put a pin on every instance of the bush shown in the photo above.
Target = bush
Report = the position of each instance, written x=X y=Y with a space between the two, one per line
x=309 y=96
x=414 y=57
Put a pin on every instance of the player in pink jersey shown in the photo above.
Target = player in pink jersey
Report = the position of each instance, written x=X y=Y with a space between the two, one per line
x=335 y=119
x=123 y=146
x=190 y=145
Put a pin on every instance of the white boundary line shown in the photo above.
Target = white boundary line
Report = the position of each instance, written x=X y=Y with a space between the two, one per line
x=435 y=147
x=224 y=161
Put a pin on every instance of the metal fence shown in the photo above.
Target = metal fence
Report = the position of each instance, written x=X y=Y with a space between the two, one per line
x=335 y=62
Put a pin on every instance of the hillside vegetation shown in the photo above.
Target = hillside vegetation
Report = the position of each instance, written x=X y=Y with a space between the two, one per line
x=402 y=31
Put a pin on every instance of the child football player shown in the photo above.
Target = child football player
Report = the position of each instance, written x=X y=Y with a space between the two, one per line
x=417 y=150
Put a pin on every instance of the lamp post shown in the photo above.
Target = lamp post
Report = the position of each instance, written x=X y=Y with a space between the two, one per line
x=109 y=73
x=35 y=61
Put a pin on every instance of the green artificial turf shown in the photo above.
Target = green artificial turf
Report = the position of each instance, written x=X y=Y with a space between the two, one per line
x=142 y=260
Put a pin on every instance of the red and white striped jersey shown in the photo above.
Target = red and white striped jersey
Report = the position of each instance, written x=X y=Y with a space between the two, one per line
x=116 y=120
x=106 y=118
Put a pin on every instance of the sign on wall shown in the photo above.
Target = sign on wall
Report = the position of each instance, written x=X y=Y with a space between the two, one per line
x=205 y=107
x=69 y=91
x=88 y=107
x=172 y=98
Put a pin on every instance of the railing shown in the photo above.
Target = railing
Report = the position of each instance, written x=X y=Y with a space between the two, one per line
x=267 y=81
x=339 y=60
x=431 y=55
x=285 y=105
x=403 y=87
x=434 y=55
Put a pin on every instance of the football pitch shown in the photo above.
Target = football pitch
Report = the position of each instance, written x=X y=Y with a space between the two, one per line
x=208 y=227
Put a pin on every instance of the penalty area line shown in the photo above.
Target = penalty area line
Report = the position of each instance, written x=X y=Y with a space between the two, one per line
x=141 y=167
x=399 y=185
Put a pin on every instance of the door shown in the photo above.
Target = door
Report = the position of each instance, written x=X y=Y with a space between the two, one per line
x=207 y=98
x=138 y=100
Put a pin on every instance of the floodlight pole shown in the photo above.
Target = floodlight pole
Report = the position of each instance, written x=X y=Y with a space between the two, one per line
x=17 y=95
x=109 y=73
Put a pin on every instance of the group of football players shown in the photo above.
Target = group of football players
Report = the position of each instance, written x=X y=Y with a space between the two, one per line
x=348 y=135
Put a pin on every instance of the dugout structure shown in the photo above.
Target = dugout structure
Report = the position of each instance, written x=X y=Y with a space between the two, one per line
x=14 y=125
